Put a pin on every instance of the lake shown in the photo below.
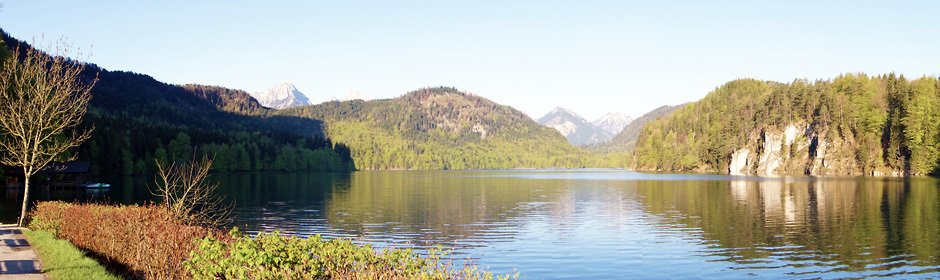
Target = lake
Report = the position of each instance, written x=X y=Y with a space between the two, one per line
x=602 y=223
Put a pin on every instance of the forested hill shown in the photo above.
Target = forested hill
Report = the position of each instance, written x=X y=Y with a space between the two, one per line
x=853 y=124
x=625 y=141
x=440 y=128
x=138 y=119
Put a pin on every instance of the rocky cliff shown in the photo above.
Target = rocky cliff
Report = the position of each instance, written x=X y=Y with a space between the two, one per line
x=851 y=125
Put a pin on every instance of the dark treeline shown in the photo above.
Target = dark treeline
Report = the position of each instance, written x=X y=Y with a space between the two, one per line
x=870 y=125
x=138 y=119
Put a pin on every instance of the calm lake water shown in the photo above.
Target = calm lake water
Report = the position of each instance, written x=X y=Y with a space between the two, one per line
x=605 y=223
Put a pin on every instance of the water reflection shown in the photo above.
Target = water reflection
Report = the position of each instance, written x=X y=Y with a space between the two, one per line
x=608 y=224
x=429 y=208
x=847 y=227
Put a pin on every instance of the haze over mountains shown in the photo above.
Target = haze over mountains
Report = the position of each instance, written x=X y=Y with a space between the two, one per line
x=575 y=128
x=613 y=122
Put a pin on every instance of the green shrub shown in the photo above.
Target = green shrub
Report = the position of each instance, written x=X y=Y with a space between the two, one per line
x=273 y=256
x=148 y=243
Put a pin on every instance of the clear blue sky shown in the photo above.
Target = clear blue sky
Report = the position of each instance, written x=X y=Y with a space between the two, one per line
x=590 y=56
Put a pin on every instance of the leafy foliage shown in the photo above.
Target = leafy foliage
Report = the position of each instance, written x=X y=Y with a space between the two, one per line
x=274 y=256
x=145 y=241
x=441 y=128
x=148 y=242
x=882 y=124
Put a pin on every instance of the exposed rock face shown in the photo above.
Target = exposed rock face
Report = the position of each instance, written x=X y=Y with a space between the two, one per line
x=797 y=149
x=281 y=96
x=818 y=152
x=576 y=129
x=790 y=134
x=739 y=164
x=771 y=156
x=613 y=122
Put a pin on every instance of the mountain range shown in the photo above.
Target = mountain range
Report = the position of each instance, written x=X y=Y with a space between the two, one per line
x=281 y=96
x=624 y=141
x=440 y=128
x=853 y=124
x=138 y=120
x=575 y=128
x=613 y=122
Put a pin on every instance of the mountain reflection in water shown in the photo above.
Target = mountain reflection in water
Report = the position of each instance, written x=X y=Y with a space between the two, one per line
x=608 y=223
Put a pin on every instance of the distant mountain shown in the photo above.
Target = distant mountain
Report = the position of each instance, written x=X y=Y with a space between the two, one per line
x=625 y=141
x=576 y=129
x=440 y=128
x=613 y=122
x=281 y=96
x=138 y=119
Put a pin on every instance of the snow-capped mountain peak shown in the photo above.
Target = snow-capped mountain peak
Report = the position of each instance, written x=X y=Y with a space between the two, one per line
x=283 y=95
x=560 y=110
x=575 y=128
x=613 y=122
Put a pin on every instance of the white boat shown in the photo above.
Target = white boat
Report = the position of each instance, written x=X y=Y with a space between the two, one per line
x=97 y=186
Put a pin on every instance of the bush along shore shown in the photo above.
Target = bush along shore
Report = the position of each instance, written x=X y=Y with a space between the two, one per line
x=146 y=242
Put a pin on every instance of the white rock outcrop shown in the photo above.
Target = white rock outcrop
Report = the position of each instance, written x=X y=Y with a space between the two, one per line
x=770 y=157
x=791 y=133
x=796 y=146
x=738 y=166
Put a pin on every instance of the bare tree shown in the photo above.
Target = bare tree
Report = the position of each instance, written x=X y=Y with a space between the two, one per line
x=184 y=192
x=42 y=104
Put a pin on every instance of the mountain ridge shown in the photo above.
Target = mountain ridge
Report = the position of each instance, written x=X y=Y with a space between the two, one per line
x=853 y=124
x=281 y=96
x=440 y=128
x=139 y=119
x=624 y=142
x=577 y=130
x=613 y=122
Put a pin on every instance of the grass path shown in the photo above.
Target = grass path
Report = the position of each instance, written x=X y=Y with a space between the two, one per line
x=62 y=260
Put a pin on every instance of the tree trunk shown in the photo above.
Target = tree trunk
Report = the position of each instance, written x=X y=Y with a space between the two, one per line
x=25 y=202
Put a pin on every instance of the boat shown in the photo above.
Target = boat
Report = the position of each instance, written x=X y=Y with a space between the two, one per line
x=97 y=186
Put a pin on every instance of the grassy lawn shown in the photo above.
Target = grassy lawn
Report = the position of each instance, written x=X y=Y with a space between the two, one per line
x=61 y=260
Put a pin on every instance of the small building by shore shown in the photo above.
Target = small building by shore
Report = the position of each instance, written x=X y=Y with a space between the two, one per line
x=71 y=174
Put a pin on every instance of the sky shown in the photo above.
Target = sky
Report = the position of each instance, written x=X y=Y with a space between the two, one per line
x=593 y=57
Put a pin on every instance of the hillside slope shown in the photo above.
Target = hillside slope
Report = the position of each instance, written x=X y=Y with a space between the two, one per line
x=138 y=119
x=625 y=141
x=851 y=125
x=440 y=128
